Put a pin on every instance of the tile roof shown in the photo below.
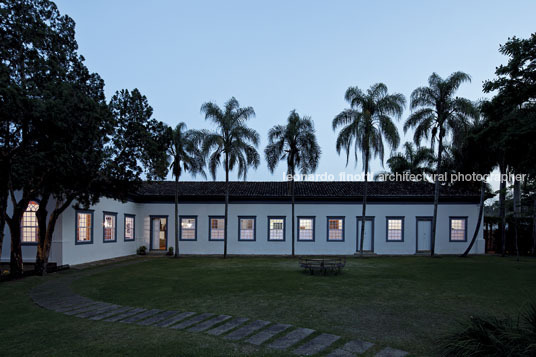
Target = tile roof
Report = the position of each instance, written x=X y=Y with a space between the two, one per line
x=164 y=191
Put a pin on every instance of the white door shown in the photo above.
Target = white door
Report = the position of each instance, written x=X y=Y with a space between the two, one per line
x=424 y=233
x=367 y=243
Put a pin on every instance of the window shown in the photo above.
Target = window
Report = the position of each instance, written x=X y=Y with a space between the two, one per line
x=246 y=228
x=130 y=227
x=216 y=228
x=29 y=229
x=276 y=228
x=458 y=229
x=336 y=229
x=84 y=227
x=395 y=229
x=188 y=228
x=109 y=231
x=306 y=229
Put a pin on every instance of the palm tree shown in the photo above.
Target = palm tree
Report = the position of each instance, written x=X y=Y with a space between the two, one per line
x=435 y=113
x=415 y=160
x=186 y=156
x=233 y=141
x=365 y=125
x=295 y=143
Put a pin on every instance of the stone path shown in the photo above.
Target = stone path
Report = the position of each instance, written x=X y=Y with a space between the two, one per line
x=56 y=295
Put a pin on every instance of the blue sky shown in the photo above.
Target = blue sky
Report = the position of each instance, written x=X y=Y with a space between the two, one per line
x=282 y=55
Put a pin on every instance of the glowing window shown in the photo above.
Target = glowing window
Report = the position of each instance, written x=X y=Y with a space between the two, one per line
x=84 y=222
x=247 y=228
x=217 y=228
x=306 y=228
x=395 y=229
x=188 y=228
x=276 y=228
x=335 y=229
x=458 y=229
x=130 y=227
x=109 y=227
x=29 y=229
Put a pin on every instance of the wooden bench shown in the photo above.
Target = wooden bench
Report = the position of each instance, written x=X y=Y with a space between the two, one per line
x=323 y=265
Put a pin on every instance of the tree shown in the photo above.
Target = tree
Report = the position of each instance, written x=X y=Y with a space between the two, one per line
x=435 y=113
x=296 y=143
x=365 y=125
x=233 y=142
x=186 y=156
x=415 y=160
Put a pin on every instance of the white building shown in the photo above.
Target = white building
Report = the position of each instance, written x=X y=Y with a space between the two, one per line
x=328 y=218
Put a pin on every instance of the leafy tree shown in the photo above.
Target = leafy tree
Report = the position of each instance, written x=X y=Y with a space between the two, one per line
x=296 y=143
x=365 y=125
x=415 y=160
x=186 y=156
x=435 y=113
x=232 y=141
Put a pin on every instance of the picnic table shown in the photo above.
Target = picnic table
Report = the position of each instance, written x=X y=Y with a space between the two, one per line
x=323 y=265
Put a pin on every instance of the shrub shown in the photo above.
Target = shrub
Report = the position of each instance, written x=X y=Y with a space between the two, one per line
x=142 y=250
x=493 y=336
x=170 y=251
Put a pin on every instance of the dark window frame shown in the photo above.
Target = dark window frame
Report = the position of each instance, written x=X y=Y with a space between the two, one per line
x=195 y=228
x=254 y=218
x=92 y=221
x=298 y=228
x=466 y=219
x=343 y=228
x=210 y=229
x=22 y=242
x=284 y=218
x=387 y=229
x=104 y=214
x=133 y=216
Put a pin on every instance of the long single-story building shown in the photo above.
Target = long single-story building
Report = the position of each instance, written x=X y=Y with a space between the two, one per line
x=327 y=215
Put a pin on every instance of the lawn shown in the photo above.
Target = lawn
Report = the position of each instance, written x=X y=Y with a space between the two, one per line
x=402 y=302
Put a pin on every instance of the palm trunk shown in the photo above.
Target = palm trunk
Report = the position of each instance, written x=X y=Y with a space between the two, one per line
x=293 y=215
x=364 y=214
x=176 y=216
x=16 y=264
x=3 y=211
x=436 y=196
x=479 y=221
x=502 y=208
x=517 y=209
x=226 y=205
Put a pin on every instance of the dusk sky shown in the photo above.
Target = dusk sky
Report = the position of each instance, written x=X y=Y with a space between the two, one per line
x=282 y=55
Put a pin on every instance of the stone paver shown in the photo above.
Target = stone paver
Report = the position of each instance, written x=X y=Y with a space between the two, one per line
x=203 y=326
x=316 y=345
x=267 y=333
x=220 y=330
x=194 y=320
x=339 y=352
x=246 y=330
x=292 y=338
x=125 y=315
x=356 y=346
x=143 y=315
x=111 y=313
x=391 y=352
x=74 y=307
x=87 y=314
x=175 y=319
x=157 y=318
x=87 y=308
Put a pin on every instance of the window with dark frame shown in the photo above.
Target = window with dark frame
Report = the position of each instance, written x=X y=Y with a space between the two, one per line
x=276 y=227
x=188 y=228
x=247 y=228
x=306 y=228
x=217 y=228
x=130 y=227
x=458 y=229
x=395 y=229
x=109 y=231
x=29 y=229
x=335 y=229
x=84 y=222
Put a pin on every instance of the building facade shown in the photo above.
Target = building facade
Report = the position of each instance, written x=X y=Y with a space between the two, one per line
x=327 y=221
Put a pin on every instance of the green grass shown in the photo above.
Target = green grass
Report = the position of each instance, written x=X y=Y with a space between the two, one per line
x=402 y=302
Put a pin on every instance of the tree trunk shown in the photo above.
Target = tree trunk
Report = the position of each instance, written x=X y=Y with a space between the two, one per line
x=534 y=226
x=226 y=205
x=436 y=195
x=479 y=221
x=502 y=208
x=16 y=264
x=46 y=231
x=176 y=216
x=293 y=200
x=364 y=212
x=3 y=211
x=517 y=210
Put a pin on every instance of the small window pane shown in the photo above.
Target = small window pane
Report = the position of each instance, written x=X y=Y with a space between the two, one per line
x=305 y=229
x=394 y=229
x=277 y=229
x=457 y=229
x=188 y=228
x=335 y=226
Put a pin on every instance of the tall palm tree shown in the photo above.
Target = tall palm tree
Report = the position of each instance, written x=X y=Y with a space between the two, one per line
x=186 y=156
x=296 y=143
x=233 y=142
x=365 y=125
x=435 y=113
x=415 y=160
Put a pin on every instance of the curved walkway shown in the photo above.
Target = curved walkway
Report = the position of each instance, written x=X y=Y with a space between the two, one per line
x=57 y=295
